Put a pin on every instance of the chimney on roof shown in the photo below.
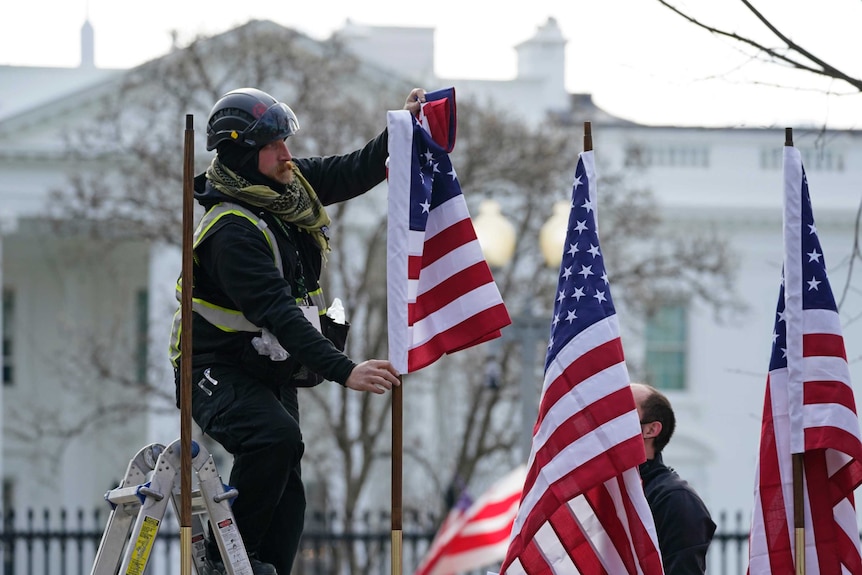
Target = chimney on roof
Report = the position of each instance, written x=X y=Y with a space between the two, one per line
x=87 y=45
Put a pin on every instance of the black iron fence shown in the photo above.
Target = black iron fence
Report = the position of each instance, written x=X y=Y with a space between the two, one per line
x=50 y=542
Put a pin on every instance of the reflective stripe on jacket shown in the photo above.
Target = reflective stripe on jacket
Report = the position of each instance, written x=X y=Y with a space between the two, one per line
x=226 y=319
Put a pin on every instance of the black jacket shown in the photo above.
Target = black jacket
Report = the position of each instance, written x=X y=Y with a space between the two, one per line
x=682 y=521
x=234 y=268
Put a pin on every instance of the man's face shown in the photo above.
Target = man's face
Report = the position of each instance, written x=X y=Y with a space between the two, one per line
x=274 y=162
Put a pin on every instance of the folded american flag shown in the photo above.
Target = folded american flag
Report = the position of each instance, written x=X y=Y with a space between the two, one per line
x=809 y=408
x=441 y=295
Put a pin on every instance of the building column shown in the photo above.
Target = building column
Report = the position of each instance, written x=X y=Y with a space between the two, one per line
x=8 y=226
x=165 y=264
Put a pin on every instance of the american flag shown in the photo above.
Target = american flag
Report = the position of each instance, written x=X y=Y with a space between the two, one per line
x=583 y=508
x=809 y=408
x=477 y=535
x=441 y=295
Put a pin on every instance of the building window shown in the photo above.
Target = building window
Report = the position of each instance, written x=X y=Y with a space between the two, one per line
x=676 y=156
x=8 y=314
x=813 y=158
x=142 y=348
x=666 y=347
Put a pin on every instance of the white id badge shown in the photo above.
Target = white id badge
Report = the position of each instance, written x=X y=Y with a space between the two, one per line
x=310 y=312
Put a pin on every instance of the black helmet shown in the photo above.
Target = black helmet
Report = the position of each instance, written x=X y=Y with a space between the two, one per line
x=250 y=118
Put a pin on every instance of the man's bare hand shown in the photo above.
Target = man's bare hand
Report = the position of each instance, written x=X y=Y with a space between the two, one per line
x=374 y=375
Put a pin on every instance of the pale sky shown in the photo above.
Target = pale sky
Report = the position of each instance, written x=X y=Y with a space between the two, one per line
x=639 y=60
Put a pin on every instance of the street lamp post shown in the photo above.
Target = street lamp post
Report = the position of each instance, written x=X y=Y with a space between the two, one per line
x=496 y=236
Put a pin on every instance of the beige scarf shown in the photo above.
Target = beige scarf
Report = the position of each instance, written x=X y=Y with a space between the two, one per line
x=299 y=205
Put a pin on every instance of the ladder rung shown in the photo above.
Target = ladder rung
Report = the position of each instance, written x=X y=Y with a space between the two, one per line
x=122 y=495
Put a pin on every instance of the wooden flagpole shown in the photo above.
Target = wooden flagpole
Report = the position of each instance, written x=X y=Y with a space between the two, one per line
x=588 y=137
x=397 y=462
x=186 y=354
x=799 y=511
x=798 y=460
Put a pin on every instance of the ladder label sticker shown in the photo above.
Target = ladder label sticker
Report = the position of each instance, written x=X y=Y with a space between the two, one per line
x=233 y=546
x=143 y=546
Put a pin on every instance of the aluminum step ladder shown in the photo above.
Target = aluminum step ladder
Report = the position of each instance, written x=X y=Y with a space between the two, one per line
x=139 y=504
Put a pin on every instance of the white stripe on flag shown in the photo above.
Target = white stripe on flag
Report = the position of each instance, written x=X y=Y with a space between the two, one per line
x=400 y=127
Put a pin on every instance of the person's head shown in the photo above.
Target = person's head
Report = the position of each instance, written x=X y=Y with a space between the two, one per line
x=248 y=128
x=656 y=416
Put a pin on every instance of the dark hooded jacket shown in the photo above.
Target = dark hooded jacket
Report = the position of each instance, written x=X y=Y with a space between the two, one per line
x=234 y=268
x=682 y=521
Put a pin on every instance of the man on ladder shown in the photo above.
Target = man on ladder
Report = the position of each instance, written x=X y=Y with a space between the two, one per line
x=259 y=309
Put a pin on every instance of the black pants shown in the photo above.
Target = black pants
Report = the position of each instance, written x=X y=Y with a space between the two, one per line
x=260 y=428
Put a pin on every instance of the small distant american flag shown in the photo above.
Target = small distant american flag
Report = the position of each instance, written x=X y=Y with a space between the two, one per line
x=583 y=508
x=441 y=295
x=809 y=408
x=477 y=534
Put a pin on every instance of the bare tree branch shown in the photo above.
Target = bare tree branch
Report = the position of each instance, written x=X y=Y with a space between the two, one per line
x=784 y=55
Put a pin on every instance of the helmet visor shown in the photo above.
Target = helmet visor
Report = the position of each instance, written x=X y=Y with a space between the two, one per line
x=277 y=123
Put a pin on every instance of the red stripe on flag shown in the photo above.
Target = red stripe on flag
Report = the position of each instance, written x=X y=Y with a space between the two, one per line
x=448 y=291
x=463 y=543
x=497 y=508
x=458 y=336
x=579 y=425
x=447 y=240
x=532 y=560
x=822 y=518
x=845 y=480
x=823 y=344
x=645 y=548
x=835 y=438
x=414 y=267
x=574 y=542
x=591 y=472
x=584 y=367
x=771 y=495
x=606 y=512
x=833 y=392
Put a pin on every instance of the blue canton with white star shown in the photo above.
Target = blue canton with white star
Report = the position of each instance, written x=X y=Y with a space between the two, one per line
x=583 y=294
x=816 y=291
